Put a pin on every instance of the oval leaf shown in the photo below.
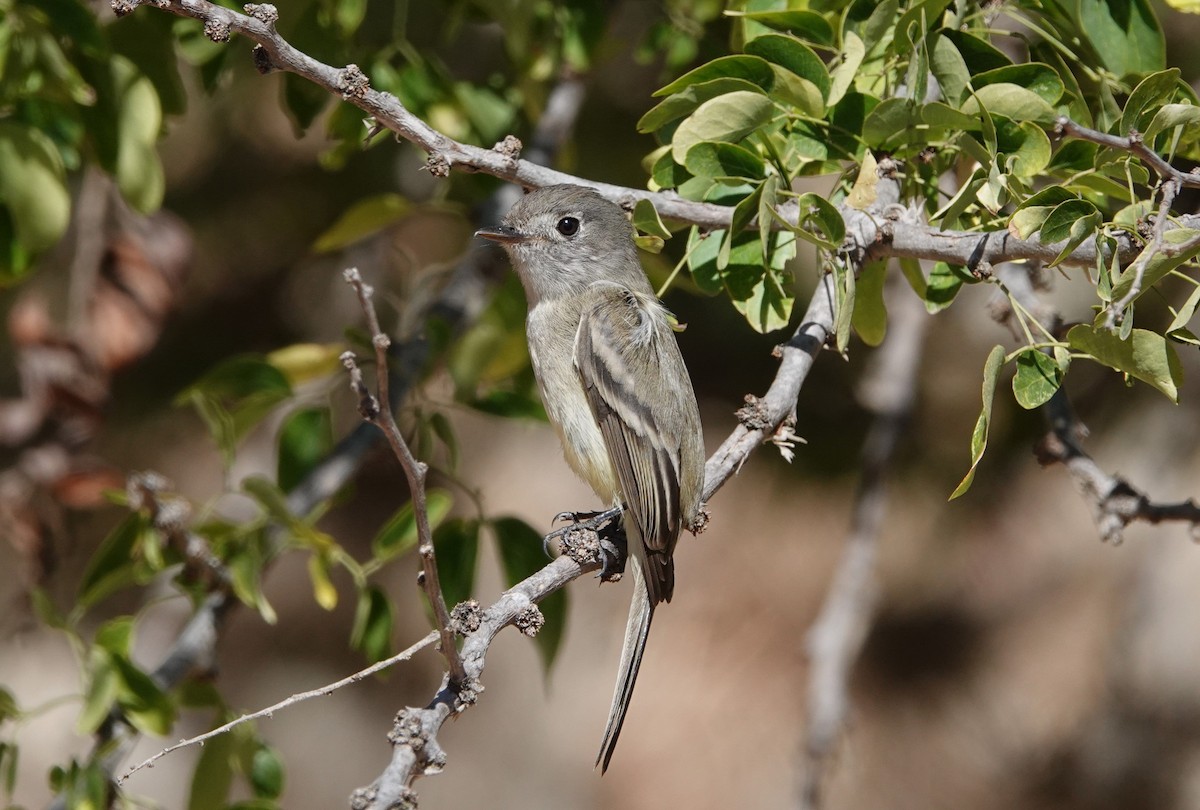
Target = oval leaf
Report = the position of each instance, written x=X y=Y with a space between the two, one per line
x=1146 y=355
x=725 y=118
x=1038 y=377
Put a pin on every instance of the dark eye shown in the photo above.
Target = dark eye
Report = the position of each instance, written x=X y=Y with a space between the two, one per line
x=568 y=226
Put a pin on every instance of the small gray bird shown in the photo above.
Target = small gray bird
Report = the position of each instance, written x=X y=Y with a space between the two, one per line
x=615 y=388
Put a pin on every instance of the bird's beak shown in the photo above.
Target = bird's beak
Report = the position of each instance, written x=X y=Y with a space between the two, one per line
x=502 y=234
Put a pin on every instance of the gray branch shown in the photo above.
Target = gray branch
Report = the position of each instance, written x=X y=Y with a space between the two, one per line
x=896 y=239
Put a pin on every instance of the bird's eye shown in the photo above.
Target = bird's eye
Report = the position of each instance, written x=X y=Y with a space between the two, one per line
x=568 y=226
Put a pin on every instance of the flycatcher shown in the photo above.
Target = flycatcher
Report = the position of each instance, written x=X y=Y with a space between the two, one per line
x=615 y=388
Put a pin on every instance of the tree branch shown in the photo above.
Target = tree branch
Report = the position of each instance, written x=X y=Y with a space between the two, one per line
x=899 y=239
x=1116 y=309
x=414 y=470
x=1114 y=501
x=300 y=697
x=1134 y=145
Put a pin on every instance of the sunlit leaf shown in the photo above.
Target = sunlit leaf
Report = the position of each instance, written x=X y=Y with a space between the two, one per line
x=979 y=437
x=1037 y=379
x=870 y=315
x=724 y=118
x=1146 y=355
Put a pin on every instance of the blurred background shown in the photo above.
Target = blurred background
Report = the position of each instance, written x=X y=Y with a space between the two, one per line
x=1015 y=660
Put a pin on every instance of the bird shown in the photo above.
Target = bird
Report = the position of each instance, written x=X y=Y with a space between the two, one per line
x=615 y=388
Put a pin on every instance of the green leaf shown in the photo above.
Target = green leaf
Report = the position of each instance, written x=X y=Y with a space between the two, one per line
x=1040 y=79
x=820 y=215
x=113 y=567
x=647 y=221
x=1145 y=355
x=754 y=287
x=147 y=41
x=1147 y=98
x=266 y=773
x=9 y=757
x=399 y=534
x=937 y=114
x=1029 y=147
x=798 y=93
x=1037 y=379
x=911 y=268
x=943 y=285
x=722 y=161
x=1170 y=116
x=373 y=621
x=364 y=218
x=876 y=31
x=144 y=704
x=978 y=54
x=793 y=55
x=1124 y=34
x=804 y=24
x=948 y=67
x=33 y=186
x=677 y=105
x=521 y=554
x=246 y=558
x=851 y=59
x=1157 y=264
x=305 y=438
x=724 y=118
x=893 y=119
x=8 y=705
x=845 y=290
x=926 y=14
x=235 y=396
x=746 y=209
x=139 y=172
x=1011 y=101
x=979 y=437
x=870 y=316
x=456 y=544
x=270 y=497
x=101 y=692
x=1185 y=312
x=750 y=68
x=1062 y=222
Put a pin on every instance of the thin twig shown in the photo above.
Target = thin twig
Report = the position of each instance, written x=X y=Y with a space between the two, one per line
x=1132 y=144
x=414 y=470
x=1114 y=501
x=300 y=697
x=1116 y=310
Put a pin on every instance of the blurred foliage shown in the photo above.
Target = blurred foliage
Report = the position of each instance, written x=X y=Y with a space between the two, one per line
x=756 y=95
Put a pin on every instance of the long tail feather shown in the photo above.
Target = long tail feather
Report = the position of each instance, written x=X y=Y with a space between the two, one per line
x=637 y=629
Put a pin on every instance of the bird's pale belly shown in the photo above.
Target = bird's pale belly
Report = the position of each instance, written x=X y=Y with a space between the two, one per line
x=569 y=412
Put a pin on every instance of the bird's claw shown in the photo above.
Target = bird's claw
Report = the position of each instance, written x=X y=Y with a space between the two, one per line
x=590 y=536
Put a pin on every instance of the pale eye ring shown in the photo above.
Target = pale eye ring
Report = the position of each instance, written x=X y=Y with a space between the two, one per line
x=567 y=226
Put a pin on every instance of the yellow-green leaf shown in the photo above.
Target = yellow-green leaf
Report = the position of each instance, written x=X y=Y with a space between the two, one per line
x=1145 y=355
x=979 y=437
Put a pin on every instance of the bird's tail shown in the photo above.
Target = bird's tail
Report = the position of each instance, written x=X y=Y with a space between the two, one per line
x=637 y=629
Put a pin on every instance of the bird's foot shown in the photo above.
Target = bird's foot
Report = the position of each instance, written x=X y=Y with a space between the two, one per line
x=591 y=537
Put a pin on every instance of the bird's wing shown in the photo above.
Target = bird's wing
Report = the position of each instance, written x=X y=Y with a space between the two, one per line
x=620 y=331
